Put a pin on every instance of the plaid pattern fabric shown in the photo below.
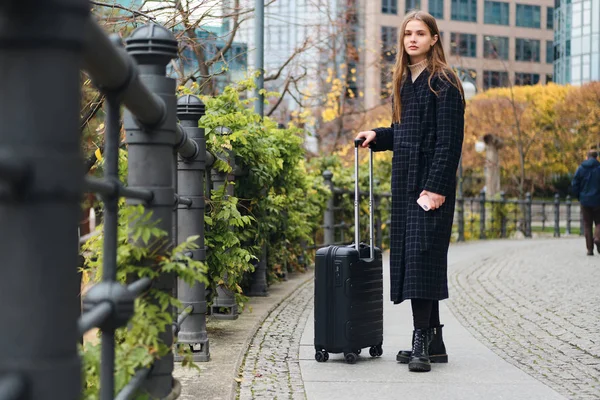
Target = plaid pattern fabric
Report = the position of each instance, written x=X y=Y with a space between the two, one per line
x=427 y=146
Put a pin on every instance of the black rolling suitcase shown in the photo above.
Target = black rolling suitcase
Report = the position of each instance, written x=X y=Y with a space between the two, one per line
x=349 y=291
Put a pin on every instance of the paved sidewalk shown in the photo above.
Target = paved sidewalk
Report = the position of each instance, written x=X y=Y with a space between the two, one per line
x=522 y=322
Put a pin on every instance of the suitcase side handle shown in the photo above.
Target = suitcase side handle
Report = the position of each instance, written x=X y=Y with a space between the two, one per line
x=357 y=143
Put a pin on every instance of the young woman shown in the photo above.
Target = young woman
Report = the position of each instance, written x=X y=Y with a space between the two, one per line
x=426 y=137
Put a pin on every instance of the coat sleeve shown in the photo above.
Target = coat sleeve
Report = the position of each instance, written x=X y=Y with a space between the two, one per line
x=450 y=124
x=384 y=139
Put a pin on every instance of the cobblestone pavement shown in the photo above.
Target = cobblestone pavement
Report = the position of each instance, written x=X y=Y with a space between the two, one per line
x=271 y=369
x=538 y=307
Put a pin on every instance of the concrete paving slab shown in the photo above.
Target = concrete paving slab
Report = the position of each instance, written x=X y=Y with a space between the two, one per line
x=474 y=371
x=431 y=390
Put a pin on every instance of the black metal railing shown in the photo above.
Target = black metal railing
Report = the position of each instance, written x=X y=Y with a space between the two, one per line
x=475 y=217
x=42 y=182
x=338 y=217
x=482 y=218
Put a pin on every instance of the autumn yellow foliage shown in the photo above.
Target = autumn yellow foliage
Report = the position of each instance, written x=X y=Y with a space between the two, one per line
x=546 y=131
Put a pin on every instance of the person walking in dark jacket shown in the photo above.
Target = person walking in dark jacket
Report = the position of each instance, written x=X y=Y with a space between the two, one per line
x=426 y=138
x=586 y=187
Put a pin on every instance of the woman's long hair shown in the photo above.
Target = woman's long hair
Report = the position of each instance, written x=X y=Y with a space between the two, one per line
x=436 y=61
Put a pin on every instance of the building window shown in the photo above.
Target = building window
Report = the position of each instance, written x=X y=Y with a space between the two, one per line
x=412 y=5
x=436 y=8
x=549 y=51
x=550 y=18
x=492 y=79
x=495 y=47
x=549 y=78
x=496 y=12
x=389 y=41
x=527 y=50
x=528 y=16
x=464 y=10
x=463 y=44
x=389 y=6
x=526 y=78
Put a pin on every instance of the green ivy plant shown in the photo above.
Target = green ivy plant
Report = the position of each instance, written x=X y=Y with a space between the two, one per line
x=276 y=200
x=140 y=253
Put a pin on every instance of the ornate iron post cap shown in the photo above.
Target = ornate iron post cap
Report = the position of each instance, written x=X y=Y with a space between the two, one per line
x=190 y=108
x=152 y=44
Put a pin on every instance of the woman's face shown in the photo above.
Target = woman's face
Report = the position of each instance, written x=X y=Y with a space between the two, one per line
x=418 y=40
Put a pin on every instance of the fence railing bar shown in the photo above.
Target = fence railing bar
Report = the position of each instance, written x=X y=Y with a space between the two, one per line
x=180 y=318
x=187 y=148
x=337 y=190
x=134 y=384
x=189 y=254
x=107 y=364
x=14 y=171
x=140 y=286
x=94 y=317
x=11 y=387
x=186 y=201
x=108 y=188
x=109 y=265
x=114 y=70
x=88 y=236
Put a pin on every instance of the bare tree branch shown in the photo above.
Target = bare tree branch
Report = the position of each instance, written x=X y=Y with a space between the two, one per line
x=229 y=42
x=115 y=5
x=96 y=105
x=288 y=81
x=287 y=62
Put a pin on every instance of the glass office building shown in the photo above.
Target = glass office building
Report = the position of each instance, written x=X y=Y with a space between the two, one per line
x=576 y=41
x=497 y=42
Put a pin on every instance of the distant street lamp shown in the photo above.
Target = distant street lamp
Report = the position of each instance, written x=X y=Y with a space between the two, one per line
x=470 y=91
x=479 y=146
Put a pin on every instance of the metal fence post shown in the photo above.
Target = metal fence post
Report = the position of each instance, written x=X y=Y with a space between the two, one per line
x=224 y=305
x=568 y=229
x=556 y=215
x=503 y=216
x=41 y=185
x=152 y=167
x=328 y=217
x=190 y=221
x=482 y=214
x=461 y=218
x=528 y=216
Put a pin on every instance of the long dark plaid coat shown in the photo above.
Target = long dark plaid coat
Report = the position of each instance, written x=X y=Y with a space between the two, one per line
x=427 y=147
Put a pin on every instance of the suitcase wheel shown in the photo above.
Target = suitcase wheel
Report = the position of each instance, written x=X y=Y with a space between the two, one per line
x=350 y=357
x=321 y=356
x=376 y=351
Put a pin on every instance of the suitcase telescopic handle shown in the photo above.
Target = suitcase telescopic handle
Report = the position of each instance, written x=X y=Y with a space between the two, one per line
x=357 y=143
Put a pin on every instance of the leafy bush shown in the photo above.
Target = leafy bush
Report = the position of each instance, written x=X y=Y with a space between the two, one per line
x=277 y=201
x=138 y=345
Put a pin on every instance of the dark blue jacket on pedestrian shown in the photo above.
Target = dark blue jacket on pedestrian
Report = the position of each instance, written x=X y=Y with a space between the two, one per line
x=586 y=183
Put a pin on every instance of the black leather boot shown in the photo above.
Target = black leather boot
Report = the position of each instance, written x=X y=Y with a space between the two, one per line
x=437 y=349
x=419 y=358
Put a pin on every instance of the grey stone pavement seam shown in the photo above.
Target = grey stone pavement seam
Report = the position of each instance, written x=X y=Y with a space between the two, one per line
x=539 y=309
x=271 y=367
